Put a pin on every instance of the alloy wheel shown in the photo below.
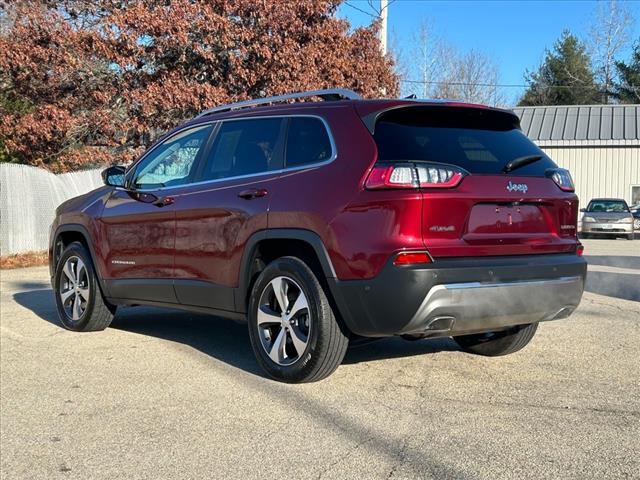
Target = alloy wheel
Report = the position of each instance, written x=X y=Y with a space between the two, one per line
x=283 y=318
x=74 y=288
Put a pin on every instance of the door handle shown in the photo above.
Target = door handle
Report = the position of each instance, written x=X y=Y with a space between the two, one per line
x=164 y=201
x=253 y=193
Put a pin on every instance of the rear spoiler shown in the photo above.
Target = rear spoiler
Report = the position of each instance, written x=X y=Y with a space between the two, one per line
x=371 y=119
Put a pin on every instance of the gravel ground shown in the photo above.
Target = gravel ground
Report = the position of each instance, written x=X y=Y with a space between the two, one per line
x=166 y=394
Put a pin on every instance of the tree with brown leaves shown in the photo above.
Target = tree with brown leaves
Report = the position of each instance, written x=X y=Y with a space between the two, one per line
x=84 y=82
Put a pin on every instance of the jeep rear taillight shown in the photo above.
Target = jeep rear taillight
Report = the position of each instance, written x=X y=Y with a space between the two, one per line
x=562 y=178
x=404 y=175
x=435 y=176
x=392 y=176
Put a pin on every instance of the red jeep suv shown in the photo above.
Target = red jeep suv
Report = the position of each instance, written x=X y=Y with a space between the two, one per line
x=322 y=222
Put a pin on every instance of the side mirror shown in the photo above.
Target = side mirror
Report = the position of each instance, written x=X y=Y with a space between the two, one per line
x=113 y=176
x=583 y=209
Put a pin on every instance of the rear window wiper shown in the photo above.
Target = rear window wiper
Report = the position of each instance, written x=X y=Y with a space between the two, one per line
x=520 y=162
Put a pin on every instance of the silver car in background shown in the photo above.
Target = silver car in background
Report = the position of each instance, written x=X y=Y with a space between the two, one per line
x=635 y=211
x=607 y=217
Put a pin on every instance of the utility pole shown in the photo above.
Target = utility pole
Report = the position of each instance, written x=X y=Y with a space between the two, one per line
x=383 y=26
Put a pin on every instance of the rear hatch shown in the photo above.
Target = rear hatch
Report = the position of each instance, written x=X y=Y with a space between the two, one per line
x=487 y=189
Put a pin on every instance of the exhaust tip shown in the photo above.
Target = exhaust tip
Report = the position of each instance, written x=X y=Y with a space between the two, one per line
x=564 y=312
x=441 y=324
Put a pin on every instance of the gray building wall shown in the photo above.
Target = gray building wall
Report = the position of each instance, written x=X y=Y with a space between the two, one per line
x=605 y=171
x=599 y=145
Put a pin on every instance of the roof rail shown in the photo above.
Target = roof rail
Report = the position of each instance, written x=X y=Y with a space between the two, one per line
x=327 y=95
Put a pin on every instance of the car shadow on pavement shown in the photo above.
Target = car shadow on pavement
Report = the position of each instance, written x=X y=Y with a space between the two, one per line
x=40 y=301
x=619 y=285
x=617 y=261
x=31 y=285
x=220 y=338
x=228 y=341
x=225 y=340
x=395 y=347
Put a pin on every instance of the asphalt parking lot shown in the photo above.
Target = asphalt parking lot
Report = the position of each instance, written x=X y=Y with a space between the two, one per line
x=166 y=394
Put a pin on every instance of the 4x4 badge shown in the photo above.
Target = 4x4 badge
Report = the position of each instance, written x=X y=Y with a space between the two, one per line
x=517 y=187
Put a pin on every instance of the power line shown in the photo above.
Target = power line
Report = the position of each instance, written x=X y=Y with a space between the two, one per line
x=514 y=85
x=504 y=85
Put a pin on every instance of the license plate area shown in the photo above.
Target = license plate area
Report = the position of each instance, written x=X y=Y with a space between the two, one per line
x=497 y=219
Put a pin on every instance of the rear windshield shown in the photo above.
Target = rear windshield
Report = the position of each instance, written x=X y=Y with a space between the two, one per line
x=607 y=206
x=480 y=141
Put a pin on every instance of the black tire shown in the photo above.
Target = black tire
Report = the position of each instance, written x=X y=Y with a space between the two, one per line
x=494 y=344
x=96 y=313
x=326 y=340
x=630 y=236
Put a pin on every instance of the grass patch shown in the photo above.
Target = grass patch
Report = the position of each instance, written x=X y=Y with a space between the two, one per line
x=22 y=260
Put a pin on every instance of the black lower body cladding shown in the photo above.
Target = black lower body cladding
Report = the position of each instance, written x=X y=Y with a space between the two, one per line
x=459 y=296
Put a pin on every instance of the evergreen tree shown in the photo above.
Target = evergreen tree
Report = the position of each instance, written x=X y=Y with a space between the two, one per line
x=564 y=78
x=628 y=88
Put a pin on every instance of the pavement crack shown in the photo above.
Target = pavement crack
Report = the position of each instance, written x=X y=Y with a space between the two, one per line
x=610 y=305
x=342 y=457
x=559 y=408
x=400 y=461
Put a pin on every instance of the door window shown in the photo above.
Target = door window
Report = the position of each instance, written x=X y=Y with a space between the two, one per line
x=171 y=163
x=244 y=147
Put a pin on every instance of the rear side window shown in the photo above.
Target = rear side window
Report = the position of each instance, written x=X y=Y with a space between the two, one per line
x=480 y=141
x=307 y=142
x=244 y=147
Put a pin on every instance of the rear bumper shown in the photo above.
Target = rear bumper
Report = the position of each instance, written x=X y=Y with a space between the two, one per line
x=456 y=297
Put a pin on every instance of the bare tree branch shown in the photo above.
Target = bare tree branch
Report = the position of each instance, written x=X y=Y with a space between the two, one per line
x=372 y=11
x=609 y=34
x=441 y=72
x=376 y=15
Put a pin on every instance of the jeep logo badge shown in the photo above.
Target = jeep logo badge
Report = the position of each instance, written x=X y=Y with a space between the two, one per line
x=517 y=187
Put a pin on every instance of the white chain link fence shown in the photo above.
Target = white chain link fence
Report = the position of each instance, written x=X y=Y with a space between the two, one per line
x=29 y=197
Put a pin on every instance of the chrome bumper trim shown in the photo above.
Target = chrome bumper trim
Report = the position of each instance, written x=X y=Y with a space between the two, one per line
x=479 y=306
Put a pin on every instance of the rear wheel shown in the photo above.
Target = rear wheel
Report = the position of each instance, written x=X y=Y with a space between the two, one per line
x=294 y=333
x=630 y=236
x=494 y=344
x=78 y=296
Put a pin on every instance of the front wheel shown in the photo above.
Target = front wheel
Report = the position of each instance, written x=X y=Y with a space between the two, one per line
x=293 y=331
x=494 y=344
x=78 y=296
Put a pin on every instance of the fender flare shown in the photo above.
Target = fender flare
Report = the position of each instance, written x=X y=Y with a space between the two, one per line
x=82 y=230
x=307 y=236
